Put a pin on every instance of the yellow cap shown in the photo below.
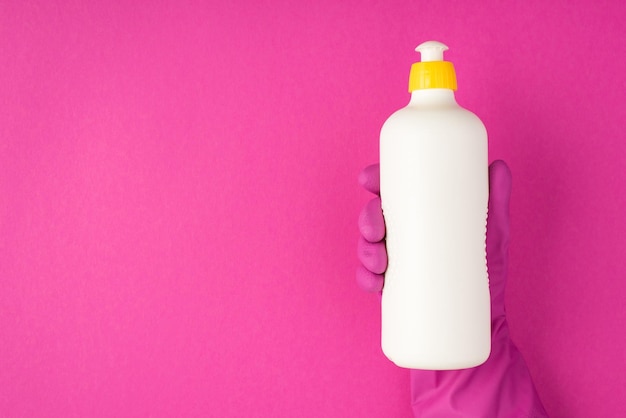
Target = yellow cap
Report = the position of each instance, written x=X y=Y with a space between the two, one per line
x=432 y=72
x=432 y=75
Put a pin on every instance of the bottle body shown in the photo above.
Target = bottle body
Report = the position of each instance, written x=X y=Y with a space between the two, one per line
x=434 y=191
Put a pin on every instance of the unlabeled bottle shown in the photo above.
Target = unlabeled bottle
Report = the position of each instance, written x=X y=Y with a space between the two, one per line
x=434 y=187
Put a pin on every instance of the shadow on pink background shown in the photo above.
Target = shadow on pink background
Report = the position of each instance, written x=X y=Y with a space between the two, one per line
x=178 y=200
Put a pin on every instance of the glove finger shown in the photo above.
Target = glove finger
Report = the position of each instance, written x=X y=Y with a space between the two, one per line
x=370 y=178
x=372 y=255
x=371 y=221
x=498 y=232
x=368 y=281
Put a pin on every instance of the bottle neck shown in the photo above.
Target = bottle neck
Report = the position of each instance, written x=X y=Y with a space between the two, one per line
x=433 y=97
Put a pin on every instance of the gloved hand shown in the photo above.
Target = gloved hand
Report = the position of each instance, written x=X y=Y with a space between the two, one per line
x=500 y=387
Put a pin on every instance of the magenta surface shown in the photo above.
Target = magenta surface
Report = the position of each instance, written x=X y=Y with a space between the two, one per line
x=179 y=200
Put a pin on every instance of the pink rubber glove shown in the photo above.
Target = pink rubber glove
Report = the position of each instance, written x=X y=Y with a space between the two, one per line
x=500 y=387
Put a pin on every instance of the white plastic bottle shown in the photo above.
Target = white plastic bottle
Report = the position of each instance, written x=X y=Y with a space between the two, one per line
x=434 y=189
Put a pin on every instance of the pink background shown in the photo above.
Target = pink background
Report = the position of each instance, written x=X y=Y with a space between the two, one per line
x=178 y=200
